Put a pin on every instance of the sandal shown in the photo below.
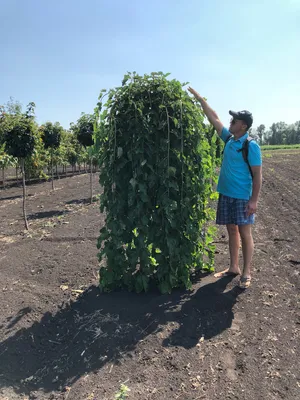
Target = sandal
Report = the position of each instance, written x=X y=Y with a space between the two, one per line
x=225 y=273
x=245 y=282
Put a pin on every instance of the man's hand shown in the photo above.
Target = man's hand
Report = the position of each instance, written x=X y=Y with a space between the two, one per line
x=251 y=208
x=194 y=93
x=208 y=111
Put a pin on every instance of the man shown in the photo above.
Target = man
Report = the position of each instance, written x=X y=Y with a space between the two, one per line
x=238 y=191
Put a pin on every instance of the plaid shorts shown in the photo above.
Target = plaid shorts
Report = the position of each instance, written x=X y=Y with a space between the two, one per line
x=232 y=211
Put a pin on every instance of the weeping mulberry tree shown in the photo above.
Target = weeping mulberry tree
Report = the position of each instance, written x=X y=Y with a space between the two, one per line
x=19 y=142
x=156 y=167
x=51 y=135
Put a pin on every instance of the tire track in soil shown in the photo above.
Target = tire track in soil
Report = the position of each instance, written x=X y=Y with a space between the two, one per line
x=287 y=190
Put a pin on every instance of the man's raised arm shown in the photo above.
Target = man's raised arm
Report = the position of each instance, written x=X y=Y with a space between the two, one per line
x=208 y=111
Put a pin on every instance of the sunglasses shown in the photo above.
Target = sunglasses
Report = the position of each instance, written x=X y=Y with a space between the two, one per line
x=234 y=120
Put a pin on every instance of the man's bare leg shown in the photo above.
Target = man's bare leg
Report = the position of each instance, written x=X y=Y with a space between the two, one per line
x=248 y=249
x=234 y=245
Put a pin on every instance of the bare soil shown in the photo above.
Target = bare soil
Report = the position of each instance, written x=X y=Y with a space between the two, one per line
x=62 y=339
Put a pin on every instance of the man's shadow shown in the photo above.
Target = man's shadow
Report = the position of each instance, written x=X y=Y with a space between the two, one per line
x=98 y=329
x=206 y=314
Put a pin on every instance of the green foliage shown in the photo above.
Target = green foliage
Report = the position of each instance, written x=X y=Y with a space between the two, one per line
x=216 y=145
x=74 y=150
x=51 y=134
x=84 y=129
x=13 y=107
x=156 y=170
x=19 y=142
x=72 y=157
x=13 y=123
x=9 y=116
x=65 y=144
x=260 y=132
x=6 y=160
x=19 y=138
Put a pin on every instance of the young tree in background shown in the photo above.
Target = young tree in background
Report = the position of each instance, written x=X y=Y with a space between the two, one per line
x=19 y=141
x=260 y=132
x=84 y=130
x=51 y=138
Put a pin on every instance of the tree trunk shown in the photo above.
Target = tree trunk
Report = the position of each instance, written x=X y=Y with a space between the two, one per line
x=56 y=171
x=91 y=180
x=24 y=192
x=52 y=169
x=17 y=176
x=28 y=174
x=3 y=177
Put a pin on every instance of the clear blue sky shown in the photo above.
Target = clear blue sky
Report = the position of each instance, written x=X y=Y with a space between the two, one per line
x=239 y=54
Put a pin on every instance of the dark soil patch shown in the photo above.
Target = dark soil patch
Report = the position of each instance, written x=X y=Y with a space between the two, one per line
x=62 y=339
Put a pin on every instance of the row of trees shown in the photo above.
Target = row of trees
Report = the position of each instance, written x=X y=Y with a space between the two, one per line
x=53 y=146
x=33 y=148
x=278 y=133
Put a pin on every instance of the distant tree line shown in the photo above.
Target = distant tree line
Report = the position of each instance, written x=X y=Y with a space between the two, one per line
x=278 y=133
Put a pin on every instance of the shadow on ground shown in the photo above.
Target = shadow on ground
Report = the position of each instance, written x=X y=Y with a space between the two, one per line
x=11 y=197
x=70 y=239
x=100 y=328
x=78 y=201
x=14 y=320
x=47 y=214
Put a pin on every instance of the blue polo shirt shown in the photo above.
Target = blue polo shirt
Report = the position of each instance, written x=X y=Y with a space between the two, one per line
x=235 y=179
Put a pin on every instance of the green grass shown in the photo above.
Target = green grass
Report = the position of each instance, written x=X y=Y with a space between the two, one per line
x=281 y=147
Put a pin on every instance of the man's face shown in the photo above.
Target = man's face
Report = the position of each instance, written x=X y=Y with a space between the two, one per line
x=237 y=125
